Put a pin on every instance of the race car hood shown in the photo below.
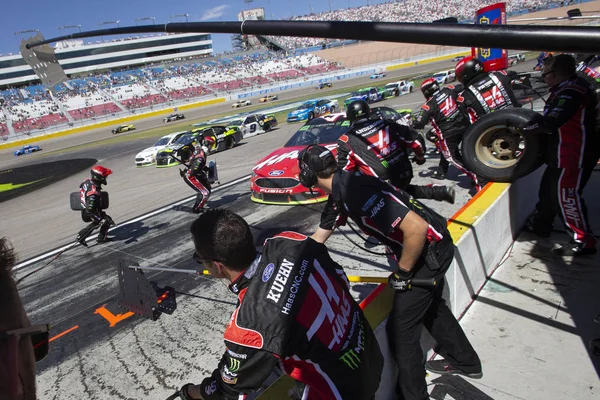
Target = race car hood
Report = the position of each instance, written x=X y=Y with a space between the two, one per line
x=282 y=162
x=170 y=148
x=299 y=112
x=353 y=98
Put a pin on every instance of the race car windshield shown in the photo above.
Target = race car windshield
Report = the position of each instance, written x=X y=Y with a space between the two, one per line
x=318 y=131
x=439 y=75
x=184 y=139
x=236 y=122
x=162 y=142
x=306 y=105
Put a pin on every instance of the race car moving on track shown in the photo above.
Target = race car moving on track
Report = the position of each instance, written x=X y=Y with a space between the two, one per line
x=173 y=117
x=370 y=95
x=275 y=178
x=312 y=109
x=219 y=137
x=181 y=148
x=323 y=85
x=241 y=103
x=148 y=156
x=30 y=148
x=377 y=75
x=444 y=77
x=395 y=89
x=123 y=128
x=269 y=97
x=254 y=124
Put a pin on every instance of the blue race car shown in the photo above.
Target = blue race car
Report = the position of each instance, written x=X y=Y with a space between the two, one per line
x=377 y=75
x=312 y=109
x=370 y=95
x=27 y=149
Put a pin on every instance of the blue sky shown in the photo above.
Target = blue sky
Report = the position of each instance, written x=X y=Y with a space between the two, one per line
x=47 y=15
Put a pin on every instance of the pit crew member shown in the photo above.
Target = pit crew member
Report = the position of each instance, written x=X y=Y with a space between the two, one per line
x=294 y=310
x=196 y=176
x=572 y=153
x=90 y=192
x=379 y=148
x=420 y=245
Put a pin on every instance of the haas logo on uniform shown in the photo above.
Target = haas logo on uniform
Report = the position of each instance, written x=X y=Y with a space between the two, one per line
x=377 y=208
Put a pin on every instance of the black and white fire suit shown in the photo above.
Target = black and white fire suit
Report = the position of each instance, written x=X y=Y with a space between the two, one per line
x=92 y=210
x=487 y=93
x=573 y=150
x=295 y=310
x=378 y=208
x=196 y=177
x=379 y=148
x=449 y=125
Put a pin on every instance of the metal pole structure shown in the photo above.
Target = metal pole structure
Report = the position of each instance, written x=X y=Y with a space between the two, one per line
x=330 y=9
x=146 y=19
x=108 y=23
x=569 y=39
x=186 y=271
x=179 y=16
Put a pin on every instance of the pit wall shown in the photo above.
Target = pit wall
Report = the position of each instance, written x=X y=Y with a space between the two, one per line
x=332 y=77
x=483 y=231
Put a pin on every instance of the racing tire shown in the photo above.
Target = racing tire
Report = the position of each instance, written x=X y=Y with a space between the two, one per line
x=494 y=149
x=311 y=115
x=332 y=111
x=266 y=127
x=411 y=89
x=229 y=143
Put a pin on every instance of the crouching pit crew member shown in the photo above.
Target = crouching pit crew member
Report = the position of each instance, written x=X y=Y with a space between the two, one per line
x=379 y=148
x=421 y=247
x=294 y=310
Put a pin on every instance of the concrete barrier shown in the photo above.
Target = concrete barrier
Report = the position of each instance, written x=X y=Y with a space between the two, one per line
x=483 y=231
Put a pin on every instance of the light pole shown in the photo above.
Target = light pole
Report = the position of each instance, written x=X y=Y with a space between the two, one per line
x=109 y=23
x=179 y=16
x=146 y=19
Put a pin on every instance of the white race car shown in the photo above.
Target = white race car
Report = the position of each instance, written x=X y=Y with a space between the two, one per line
x=444 y=77
x=241 y=103
x=394 y=89
x=148 y=156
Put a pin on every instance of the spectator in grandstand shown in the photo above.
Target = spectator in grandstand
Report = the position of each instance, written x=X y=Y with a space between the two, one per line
x=17 y=336
x=572 y=153
x=449 y=125
x=363 y=150
x=277 y=321
x=421 y=248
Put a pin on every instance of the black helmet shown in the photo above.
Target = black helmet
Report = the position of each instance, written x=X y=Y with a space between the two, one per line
x=358 y=109
x=99 y=174
x=429 y=87
x=467 y=69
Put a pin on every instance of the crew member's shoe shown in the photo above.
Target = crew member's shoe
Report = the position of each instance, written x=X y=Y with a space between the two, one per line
x=449 y=194
x=104 y=239
x=81 y=241
x=573 y=250
x=438 y=174
x=443 y=367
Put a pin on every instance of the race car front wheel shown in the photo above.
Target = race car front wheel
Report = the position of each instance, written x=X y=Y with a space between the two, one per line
x=495 y=149
x=229 y=143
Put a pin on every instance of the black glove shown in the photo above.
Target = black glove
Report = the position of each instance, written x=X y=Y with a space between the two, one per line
x=182 y=172
x=418 y=160
x=400 y=280
x=183 y=392
x=529 y=127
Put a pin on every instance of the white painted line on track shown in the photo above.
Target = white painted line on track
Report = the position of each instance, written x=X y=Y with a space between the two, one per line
x=131 y=221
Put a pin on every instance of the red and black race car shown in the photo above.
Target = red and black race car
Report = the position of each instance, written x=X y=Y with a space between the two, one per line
x=275 y=177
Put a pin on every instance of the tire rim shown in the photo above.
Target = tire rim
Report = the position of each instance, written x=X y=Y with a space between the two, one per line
x=497 y=147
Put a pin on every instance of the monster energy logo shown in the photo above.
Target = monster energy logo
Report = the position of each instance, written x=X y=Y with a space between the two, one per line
x=351 y=359
x=234 y=364
x=561 y=103
x=385 y=164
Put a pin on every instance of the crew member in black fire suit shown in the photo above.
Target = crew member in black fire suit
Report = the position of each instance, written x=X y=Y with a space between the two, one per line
x=91 y=205
x=572 y=153
x=294 y=310
x=484 y=92
x=449 y=124
x=422 y=248
x=196 y=176
x=378 y=147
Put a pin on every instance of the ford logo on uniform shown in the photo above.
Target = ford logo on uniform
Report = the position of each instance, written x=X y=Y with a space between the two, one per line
x=268 y=272
x=277 y=172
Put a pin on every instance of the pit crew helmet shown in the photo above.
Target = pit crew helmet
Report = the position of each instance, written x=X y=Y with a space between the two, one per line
x=99 y=174
x=429 y=87
x=358 y=109
x=467 y=69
